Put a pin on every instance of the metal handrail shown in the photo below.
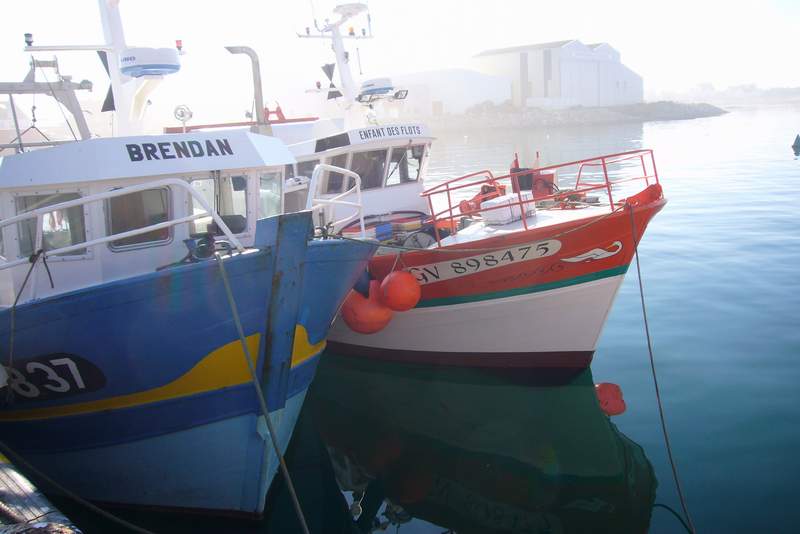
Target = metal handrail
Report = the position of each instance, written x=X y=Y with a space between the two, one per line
x=601 y=161
x=318 y=204
x=173 y=182
x=446 y=184
x=628 y=156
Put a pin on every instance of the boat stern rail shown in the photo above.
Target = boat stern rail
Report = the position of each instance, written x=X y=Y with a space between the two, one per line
x=317 y=204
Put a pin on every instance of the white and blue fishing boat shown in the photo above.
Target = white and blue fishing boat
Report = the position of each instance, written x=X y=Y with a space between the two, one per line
x=123 y=262
x=128 y=382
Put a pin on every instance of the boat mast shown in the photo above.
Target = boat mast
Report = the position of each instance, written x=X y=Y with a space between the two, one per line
x=114 y=36
x=332 y=31
x=129 y=92
x=62 y=89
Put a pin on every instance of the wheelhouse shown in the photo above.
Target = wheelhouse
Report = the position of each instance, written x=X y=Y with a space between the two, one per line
x=390 y=160
x=100 y=197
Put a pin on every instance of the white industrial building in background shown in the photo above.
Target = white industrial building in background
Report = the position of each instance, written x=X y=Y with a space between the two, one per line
x=564 y=74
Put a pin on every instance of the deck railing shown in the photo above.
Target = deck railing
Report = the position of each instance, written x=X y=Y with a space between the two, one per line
x=642 y=161
x=317 y=203
x=39 y=214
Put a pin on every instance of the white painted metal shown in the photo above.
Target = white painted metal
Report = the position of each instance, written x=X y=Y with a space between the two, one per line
x=317 y=204
x=262 y=126
x=108 y=159
x=130 y=94
x=62 y=88
x=536 y=322
x=346 y=12
x=385 y=199
x=150 y=62
x=40 y=212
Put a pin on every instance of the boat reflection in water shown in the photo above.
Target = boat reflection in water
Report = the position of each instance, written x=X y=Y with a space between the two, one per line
x=478 y=452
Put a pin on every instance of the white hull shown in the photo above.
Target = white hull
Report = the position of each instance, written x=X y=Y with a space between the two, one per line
x=563 y=320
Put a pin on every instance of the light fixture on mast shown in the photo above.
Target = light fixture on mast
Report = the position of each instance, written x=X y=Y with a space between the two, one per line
x=332 y=31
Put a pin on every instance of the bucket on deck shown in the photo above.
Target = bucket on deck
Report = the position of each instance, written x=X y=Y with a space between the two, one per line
x=541 y=183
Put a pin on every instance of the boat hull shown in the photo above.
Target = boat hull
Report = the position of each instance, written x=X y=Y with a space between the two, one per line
x=533 y=298
x=219 y=467
x=137 y=392
x=507 y=335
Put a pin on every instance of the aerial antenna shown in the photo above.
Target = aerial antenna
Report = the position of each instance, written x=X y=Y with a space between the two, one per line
x=333 y=30
x=134 y=72
x=314 y=14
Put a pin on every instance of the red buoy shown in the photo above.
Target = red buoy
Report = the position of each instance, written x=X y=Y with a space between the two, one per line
x=366 y=315
x=610 y=397
x=400 y=291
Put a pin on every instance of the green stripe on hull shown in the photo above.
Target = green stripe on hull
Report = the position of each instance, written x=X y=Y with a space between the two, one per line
x=448 y=301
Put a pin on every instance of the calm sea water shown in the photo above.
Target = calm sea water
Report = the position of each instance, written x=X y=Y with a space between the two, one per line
x=722 y=284
x=478 y=453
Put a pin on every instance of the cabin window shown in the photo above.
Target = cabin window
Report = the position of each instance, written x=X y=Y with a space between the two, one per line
x=227 y=195
x=60 y=228
x=306 y=168
x=137 y=210
x=289 y=170
x=336 y=179
x=405 y=164
x=269 y=194
x=370 y=166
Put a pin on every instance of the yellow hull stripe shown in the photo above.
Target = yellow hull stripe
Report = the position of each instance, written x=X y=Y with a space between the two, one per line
x=224 y=367
x=303 y=349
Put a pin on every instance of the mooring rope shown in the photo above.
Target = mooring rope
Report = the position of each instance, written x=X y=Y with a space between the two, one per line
x=674 y=513
x=34 y=258
x=260 y=394
x=17 y=459
x=655 y=378
x=13 y=311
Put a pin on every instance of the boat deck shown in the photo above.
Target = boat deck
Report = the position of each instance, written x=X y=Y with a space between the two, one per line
x=542 y=218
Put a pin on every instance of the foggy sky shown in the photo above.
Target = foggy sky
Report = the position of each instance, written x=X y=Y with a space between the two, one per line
x=673 y=45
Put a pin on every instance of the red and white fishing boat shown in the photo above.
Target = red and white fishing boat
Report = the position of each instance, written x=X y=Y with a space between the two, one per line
x=519 y=270
x=523 y=275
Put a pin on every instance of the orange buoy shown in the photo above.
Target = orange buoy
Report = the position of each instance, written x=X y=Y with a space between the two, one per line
x=610 y=397
x=366 y=315
x=400 y=291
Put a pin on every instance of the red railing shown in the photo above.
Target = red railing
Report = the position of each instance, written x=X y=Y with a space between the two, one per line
x=447 y=217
